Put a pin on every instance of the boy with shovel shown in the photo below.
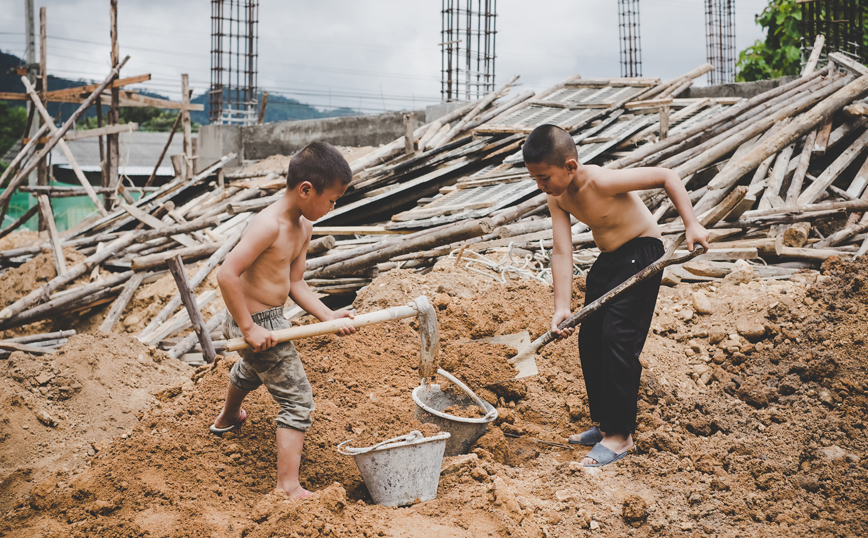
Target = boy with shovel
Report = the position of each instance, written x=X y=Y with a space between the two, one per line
x=625 y=231
x=264 y=268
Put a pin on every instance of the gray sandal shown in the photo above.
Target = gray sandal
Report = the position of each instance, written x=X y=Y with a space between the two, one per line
x=604 y=456
x=588 y=438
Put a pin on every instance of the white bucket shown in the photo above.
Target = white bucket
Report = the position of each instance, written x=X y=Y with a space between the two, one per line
x=430 y=403
x=399 y=471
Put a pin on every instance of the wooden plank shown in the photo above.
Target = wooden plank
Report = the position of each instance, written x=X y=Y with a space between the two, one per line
x=822 y=141
x=101 y=131
x=120 y=304
x=57 y=250
x=79 y=90
x=811 y=64
x=854 y=66
x=157 y=224
x=176 y=266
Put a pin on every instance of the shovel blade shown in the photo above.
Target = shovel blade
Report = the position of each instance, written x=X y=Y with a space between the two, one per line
x=525 y=366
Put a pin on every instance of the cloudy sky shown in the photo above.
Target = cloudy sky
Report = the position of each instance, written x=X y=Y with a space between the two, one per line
x=368 y=55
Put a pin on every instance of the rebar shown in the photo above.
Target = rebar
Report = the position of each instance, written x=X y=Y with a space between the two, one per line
x=840 y=21
x=467 y=48
x=234 y=61
x=628 y=35
x=720 y=40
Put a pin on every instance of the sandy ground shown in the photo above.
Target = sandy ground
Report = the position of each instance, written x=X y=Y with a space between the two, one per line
x=751 y=423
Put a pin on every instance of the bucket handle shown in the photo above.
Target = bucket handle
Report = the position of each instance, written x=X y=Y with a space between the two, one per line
x=412 y=436
x=466 y=390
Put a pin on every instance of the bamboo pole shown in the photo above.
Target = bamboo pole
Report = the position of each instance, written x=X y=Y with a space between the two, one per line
x=197 y=279
x=113 y=140
x=176 y=266
x=724 y=181
x=63 y=146
x=91 y=261
x=795 y=188
x=48 y=217
x=56 y=137
x=185 y=123
x=465 y=230
x=835 y=169
x=21 y=220
x=165 y=149
x=650 y=149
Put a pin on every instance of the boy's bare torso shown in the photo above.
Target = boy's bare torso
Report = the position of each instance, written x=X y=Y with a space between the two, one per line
x=266 y=283
x=613 y=220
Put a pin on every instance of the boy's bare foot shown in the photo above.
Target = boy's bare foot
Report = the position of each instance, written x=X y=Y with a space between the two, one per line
x=617 y=443
x=224 y=421
x=296 y=493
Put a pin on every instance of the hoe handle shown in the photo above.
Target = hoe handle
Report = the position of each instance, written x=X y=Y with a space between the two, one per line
x=333 y=326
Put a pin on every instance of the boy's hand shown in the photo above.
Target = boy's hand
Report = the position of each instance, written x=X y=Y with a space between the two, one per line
x=346 y=331
x=696 y=233
x=557 y=318
x=260 y=338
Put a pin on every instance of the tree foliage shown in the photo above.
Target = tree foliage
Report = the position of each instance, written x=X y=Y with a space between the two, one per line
x=779 y=55
x=12 y=120
x=149 y=119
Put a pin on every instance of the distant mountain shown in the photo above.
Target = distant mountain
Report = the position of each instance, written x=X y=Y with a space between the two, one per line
x=279 y=108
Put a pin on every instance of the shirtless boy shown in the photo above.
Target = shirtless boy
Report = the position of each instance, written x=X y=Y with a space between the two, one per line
x=628 y=237
x=264 y=268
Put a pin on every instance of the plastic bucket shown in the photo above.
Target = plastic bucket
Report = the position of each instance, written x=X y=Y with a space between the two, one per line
x=399 y=471
x=430 y=403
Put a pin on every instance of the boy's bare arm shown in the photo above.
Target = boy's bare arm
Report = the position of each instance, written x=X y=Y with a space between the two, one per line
x=614 y=182
x=304 y=297
x=260 y=234
x=562 y=266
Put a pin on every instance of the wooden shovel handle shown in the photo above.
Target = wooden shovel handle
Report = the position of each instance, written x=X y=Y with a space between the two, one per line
x=646 y=273
x=333 y=326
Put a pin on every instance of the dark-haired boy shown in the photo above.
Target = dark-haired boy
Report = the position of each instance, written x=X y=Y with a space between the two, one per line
x=628 y=237
x=264 y=268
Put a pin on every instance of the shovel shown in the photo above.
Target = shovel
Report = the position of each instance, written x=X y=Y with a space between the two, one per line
x=525 y=360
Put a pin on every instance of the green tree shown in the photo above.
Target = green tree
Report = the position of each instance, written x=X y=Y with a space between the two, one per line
x=779 y=54
x=12 y=120
x=149 y=119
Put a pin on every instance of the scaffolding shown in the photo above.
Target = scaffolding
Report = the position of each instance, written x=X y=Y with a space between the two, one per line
x=720 y=40
x=467 y=48
x=840 y=21
x=628 y=34
x=234 y=57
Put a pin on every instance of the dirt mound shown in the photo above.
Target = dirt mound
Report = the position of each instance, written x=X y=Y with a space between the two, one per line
x=19 y=281
x=18 y=240
x=58 y=410
x=751 y=422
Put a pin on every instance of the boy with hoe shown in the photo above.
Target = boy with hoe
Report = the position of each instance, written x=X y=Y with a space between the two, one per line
x=265 y=267
x=625 y=231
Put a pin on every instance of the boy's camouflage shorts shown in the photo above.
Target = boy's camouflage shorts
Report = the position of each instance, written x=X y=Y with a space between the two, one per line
x=278 y=368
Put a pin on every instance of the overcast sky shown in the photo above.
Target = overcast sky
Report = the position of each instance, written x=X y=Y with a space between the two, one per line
x=368 y=55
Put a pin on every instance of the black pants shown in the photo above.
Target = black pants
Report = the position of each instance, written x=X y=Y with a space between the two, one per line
x=611 y=340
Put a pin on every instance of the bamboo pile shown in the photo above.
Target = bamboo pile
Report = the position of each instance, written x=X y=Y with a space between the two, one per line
x=786 y=170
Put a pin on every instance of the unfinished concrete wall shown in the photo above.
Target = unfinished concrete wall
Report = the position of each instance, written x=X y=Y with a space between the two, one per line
x=736 y=89
x=286 y=137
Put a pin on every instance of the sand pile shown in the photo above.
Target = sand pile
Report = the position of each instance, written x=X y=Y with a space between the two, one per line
x=58 y=410
x=751 y=422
